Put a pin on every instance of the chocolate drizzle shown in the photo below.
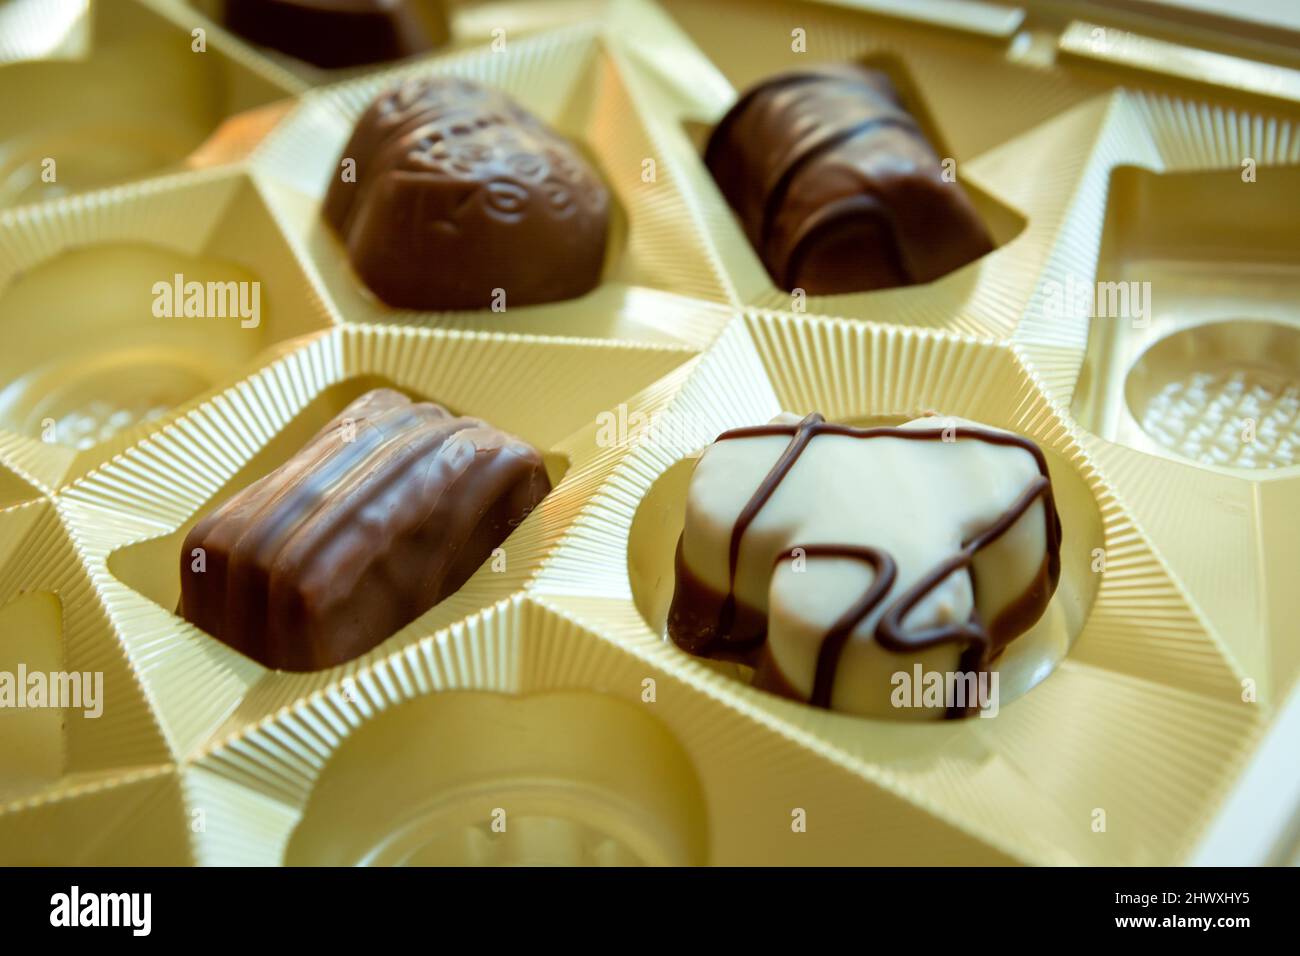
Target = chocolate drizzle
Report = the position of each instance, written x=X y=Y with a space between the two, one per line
x=979 y=643
x=828 y=655
x=781 y=81
x=828 y=140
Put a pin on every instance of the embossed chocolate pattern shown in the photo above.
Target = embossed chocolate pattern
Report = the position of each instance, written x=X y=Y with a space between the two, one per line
x=338 y=33
x=460 y=192
x=386 y=511
x=837 y=187
x=916 y=549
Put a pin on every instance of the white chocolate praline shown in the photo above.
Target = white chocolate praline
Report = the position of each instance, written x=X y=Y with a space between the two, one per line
x=919 y=501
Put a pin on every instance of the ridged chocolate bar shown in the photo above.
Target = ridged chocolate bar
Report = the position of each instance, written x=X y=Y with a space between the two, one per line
x=460 y=192
x=386 y=511
x=838 y=188
x=337 y=33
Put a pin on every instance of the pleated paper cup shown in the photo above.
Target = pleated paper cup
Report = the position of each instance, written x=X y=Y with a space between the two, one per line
x=1018 y=183
x=1185 y=373
x=95 y=295
x=1162 y=184
x=137 y=818
x=661 y=282
x=132 y=515
x=84 y=108
x=1120 y=755
x=72 y=710
x=526 y=738
x=43 y=29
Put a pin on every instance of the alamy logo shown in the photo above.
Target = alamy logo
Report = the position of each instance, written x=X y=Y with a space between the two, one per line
x=75 y=908
x=1077 y=299
x=947 y=690
x=208 y=300
x=74 y=690
x=624 y=427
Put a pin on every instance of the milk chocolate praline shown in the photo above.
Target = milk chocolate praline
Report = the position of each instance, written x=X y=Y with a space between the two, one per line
x=837 y=187
x=339 y=33
x=464 y=200
x=387 y=510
